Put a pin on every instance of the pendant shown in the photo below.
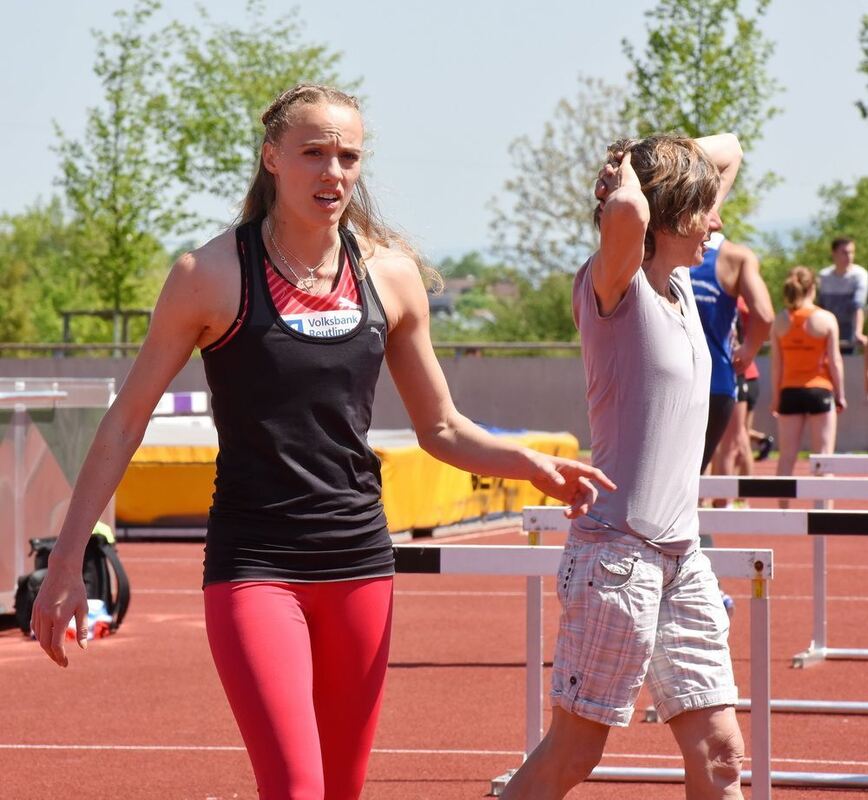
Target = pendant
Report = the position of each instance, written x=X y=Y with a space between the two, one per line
x=307 y=284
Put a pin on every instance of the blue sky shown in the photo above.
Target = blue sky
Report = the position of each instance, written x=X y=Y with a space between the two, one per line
x=449 y=85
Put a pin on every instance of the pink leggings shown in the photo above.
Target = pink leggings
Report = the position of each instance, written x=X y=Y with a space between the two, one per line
x=303 y=667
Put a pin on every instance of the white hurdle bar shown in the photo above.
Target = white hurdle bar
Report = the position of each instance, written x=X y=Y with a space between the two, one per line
x=784 y=488
x=829 y=465
x=838 y=464
x=542 y=519
x=795 y=523
x=819 y=524
x=534 y=562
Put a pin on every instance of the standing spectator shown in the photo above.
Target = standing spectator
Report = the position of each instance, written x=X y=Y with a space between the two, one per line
x=728 y=272
x=749 y=392
x=807 y=372
x=844 y=292
x=734 y=454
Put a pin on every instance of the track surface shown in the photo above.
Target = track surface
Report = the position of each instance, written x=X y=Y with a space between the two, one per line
x=142 y=715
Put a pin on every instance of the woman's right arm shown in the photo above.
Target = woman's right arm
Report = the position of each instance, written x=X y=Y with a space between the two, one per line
x=623 y=222
x=176 y=327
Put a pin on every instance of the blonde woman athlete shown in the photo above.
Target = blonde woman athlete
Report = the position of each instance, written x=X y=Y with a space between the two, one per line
x=294 y=311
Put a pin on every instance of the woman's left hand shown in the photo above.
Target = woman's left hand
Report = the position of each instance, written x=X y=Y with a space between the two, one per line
x=571 y=482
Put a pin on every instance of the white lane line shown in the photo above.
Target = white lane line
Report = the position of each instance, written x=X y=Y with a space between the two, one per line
x=408 y=751
x=136 y=747
x=795 y=565
x=391 y=751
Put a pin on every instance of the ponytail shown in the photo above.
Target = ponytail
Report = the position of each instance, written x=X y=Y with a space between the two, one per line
x=797 y=286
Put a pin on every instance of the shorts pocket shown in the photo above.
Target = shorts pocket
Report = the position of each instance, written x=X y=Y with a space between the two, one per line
x=614 y=570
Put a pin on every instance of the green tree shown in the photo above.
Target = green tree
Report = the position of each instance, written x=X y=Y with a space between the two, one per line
x=39 y=278
x=541 y=313
x=863 y=65
x=115 y=177
x=472 y=305
x=704 y=71
x=225 y=77
x=543 y=219
x=845 y=213
x=505 y=305
x=41 y=252
x=470 y=264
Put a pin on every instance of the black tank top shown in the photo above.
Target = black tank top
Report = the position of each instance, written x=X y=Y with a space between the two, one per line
x=297 y=493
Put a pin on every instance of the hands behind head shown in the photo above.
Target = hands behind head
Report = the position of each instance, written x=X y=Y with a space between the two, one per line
x=616 y=172
x=571 y=482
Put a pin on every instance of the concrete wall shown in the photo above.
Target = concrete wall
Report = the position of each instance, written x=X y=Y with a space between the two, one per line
x=535 y=393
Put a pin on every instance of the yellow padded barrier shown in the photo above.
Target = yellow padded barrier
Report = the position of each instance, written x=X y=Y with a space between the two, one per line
x=172 y=485
x=421 y=492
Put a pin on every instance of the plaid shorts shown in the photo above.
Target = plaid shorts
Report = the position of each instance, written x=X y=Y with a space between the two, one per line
x=629 y=611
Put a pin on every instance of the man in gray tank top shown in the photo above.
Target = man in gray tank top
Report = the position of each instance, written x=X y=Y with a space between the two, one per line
x=638 y=596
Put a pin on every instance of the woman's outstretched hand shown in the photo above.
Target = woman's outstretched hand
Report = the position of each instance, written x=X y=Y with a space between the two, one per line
x=571 y=482
x=61 y=597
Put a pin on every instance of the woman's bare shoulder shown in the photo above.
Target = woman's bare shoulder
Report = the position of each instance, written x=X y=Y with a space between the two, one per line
x=823 y=321
x=204 y=286
x=216 y=256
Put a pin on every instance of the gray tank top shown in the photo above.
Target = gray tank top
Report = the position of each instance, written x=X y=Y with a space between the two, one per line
x=648 y=372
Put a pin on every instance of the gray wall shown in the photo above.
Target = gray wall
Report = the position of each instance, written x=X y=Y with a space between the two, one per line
x=535 y=393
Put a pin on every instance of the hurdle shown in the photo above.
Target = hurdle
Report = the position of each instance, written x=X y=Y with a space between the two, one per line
x=819 y=523
x=541 y=519
x=822 y=490
x=535 y=561
x=785 y=488
x=836 y=464
x=798 y=523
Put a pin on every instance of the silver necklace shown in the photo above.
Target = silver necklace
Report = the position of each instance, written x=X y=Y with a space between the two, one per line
x=312 y=278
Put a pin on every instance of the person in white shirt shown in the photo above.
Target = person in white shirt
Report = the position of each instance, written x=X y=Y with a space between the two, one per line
x=844 y=292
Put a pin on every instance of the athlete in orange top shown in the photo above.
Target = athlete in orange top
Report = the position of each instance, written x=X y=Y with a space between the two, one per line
x=807 y=371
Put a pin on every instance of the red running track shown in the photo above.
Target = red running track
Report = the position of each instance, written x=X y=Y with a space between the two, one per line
x=142 y=715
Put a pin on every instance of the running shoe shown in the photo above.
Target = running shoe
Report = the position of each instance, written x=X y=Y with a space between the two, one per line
x=765 y=447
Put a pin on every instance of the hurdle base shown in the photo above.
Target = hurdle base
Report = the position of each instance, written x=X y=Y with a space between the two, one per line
x=815 y=655
x=651 y=775
x=792 y=707
x=498 y=784
x=657 y=775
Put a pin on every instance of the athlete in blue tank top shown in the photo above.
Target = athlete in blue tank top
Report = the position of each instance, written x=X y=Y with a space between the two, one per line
x=717 y=311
